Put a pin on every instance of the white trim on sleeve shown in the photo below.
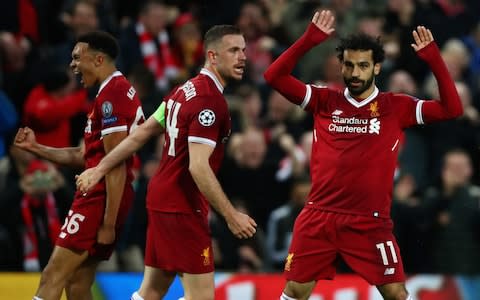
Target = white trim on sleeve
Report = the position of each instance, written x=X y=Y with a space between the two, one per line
x=418 y=112
x=308 y=96
x=114 y=129
x=200 y=140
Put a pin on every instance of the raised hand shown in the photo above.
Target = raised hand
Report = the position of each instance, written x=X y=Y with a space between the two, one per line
x=324 y=20
x=241 y=225
x=88 y=179
x=25 y=138
x=422 y=37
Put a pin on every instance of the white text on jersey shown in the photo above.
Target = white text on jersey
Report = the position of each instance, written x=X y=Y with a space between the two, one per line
x=189 y=90
x=131 y=92
x=353 y=125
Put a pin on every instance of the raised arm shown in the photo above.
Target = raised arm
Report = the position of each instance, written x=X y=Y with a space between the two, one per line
x=449 y=105
x=278 y=74
x=72 y=156
x=241 y=225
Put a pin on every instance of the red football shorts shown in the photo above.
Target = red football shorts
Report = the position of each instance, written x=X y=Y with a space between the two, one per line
x=365 y=243
x=179 y=242
x=79 y=232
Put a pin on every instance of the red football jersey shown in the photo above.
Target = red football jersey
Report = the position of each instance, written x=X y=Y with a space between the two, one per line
x=355 y=148
x=195 y=112
x=116 y=108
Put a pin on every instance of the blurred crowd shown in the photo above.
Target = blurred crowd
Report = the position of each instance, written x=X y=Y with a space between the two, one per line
x=436 y=206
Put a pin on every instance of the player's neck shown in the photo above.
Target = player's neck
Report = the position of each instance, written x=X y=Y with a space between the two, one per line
x=365 y=93
x=106 y=72
x=216 y=73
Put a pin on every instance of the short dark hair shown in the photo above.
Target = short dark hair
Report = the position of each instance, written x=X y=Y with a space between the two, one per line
x=101 y=41
x=217 y=32
x=362 y=41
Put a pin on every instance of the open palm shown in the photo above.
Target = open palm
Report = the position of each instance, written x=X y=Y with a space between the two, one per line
x=324 y=20
x=422 y=37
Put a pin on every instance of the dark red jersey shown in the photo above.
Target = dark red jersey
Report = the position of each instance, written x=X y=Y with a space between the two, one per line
x=116 y=108
x=355 y=148
x=196 y=112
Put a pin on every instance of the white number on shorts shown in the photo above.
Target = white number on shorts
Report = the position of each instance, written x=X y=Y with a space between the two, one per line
x=71 y=224
x=171 y=121
x=383 y=252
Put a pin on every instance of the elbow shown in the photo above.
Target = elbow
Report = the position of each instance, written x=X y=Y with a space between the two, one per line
x=268 y=75
x=194 y=170
x=458 y=112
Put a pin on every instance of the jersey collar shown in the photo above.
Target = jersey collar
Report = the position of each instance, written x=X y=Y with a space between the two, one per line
x=106 y=81
x=214 y=78
x=357 y=104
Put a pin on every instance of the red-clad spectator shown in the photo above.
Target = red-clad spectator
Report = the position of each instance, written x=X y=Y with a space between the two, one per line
x=50 y=105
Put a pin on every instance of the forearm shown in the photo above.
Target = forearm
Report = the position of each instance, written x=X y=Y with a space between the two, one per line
x=450 y=101
x=124 y=150
x=72 y=156
x=115 y=183
x=209 y=186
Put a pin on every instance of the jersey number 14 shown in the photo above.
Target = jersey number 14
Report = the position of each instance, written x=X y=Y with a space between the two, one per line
x=171 y=122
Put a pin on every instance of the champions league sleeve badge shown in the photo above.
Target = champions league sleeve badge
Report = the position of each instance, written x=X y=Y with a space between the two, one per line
x=107 y=109
x=206 y=117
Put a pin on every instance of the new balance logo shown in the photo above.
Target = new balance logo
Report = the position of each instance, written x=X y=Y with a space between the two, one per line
x=337 y=112
x=389 y=271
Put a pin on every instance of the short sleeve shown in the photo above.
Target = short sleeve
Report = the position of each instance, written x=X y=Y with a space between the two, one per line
x=115 y=109
x=207 y=121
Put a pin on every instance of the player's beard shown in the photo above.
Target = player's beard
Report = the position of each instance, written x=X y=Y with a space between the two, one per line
x=358 y=90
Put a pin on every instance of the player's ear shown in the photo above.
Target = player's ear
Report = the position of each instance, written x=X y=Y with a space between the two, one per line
x=212 y=56
x=99 y=58
x=376 y=68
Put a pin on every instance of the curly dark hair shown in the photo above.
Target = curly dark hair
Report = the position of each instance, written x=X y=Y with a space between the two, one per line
x=362 y=41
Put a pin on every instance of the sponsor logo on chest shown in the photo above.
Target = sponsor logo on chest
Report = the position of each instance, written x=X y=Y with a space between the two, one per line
x=363 y=125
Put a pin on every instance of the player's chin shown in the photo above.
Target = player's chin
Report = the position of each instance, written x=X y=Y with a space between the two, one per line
x=86 y=82
x=237 y=75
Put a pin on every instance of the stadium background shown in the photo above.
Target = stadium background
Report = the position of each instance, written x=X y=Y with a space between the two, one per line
x=265 y=168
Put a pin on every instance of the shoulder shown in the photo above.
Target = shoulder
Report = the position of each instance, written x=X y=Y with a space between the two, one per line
x=119 y=88
x=205 y=86
x=200 y=90
x=324 y=89
x=119 y=83
x=398 y=96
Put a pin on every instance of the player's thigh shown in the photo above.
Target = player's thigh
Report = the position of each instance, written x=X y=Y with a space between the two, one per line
x=156 y=281
x=63 y=263
x=179 y=242
x=394 y=291
x=312 y=254
x=198 y=286
x=299 y=290
x=368 y=246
